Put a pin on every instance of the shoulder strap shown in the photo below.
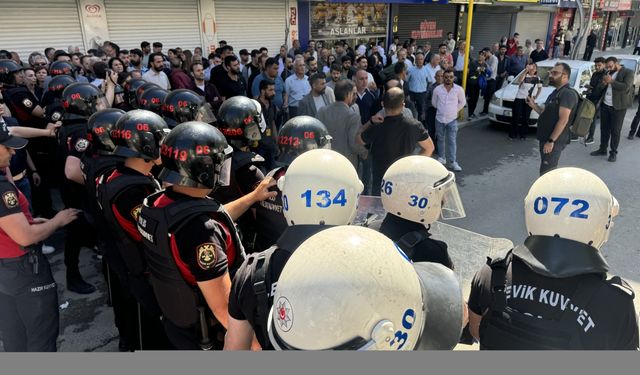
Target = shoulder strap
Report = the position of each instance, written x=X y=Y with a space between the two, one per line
x=262 y=278
x=499 y=268
x=409 y=241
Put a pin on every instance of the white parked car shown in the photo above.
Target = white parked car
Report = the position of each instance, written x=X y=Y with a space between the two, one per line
x=501 y=105
x=631 y=62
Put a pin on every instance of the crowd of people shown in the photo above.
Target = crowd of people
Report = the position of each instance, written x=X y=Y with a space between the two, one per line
x=204 y=183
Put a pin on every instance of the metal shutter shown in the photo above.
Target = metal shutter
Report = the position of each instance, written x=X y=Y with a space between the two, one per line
x=490 y=23
x=410 y=17
x=251 y=24
x=173 y=23
x=532 y=25
x=29 y=25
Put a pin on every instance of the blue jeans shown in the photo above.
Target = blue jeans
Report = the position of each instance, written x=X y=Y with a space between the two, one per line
x=447 y=134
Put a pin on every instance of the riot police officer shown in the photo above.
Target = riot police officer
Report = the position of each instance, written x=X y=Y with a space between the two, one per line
x=552 y=292
x=28 y=293
x=298 y=135
x=415 y=192
x=191 y=245
x=152 y=99
x=137 y=136
x=185 y=105
x=320 y=190
x=239 y=120
x=362 y=293
x=131 y=91
x=80 y=101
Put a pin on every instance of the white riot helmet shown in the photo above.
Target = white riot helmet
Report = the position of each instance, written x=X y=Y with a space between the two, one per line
x=571 y=203
x=420 y=189
x=320 y=187
x=352 y=288
x=347 y=288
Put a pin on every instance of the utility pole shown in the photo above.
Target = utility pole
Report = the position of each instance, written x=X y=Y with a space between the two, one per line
x=585 y=26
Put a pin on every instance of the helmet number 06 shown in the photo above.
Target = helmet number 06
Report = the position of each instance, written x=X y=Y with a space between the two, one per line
x=324 y=198
x=400 y=337
x=541 y=206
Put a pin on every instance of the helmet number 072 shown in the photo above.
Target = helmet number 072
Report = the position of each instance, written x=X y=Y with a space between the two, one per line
x=541 y=206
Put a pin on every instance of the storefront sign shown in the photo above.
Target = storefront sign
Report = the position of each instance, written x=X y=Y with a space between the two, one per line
x=428 y=30
x=94 y=23
x=549 y=2
x=348 y=20
x=615 y=5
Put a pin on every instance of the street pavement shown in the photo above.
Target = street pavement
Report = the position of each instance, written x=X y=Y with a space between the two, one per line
x=496 y=176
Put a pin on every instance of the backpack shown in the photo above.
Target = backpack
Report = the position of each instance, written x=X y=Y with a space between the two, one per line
x=585 y=112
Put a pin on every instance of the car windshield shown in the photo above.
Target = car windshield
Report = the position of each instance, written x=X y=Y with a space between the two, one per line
x=543 y=73
x=629 y=64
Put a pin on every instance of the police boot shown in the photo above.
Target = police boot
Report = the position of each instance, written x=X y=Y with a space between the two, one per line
x=75 y=283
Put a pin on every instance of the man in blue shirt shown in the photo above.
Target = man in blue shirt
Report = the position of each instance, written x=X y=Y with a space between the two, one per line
x=270 y=72
x=517 y=62
x=417 y=80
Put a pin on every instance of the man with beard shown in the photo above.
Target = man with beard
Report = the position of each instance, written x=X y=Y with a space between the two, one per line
x=204 y=88
x=219 y=72
x=553 y=132
x=318 y=97
x=135 y=61
x=232 y=84
x=156 y=74
x=251 y=67
x=270 y=73
x=312 y=65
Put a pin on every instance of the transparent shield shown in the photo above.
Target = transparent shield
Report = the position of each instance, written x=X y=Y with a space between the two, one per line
x=452 y=207
x=205 y=114
x=224 y=169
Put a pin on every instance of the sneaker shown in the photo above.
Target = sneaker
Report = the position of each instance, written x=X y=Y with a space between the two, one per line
x=46 y=249
x=455 y=167
x=574 y=138
x=442 y=161
x=612 y=157
x=598 y=153
x=483 y=113
x=589 y=141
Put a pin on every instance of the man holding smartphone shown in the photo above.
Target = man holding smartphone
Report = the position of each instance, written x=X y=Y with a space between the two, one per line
x=553 y=132
x=618 y=97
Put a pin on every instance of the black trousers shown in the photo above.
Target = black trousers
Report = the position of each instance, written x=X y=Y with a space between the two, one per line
x=419 y=99
x=635 y=122
x=43 y=158
x=431 y=127
x=29 y=318
x=637 y=49
x=567 y=47
x=550 y=161
x=490 y=90
x=520 y=119
x=473 y=91
x=587 y=53
x=610 y=127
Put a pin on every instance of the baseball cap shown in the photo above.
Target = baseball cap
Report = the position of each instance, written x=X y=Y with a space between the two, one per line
x=9 y=140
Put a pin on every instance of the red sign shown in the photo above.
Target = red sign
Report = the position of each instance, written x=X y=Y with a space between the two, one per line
x=428 y=30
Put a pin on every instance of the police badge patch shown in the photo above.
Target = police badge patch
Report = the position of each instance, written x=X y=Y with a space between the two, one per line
x=27 y=103
x=56 y=116
x=10 y=199
x=207 y=256
x=82 y=145
x=135 y=213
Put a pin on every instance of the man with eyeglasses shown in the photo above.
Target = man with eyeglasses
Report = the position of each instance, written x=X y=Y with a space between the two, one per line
x=553 y=132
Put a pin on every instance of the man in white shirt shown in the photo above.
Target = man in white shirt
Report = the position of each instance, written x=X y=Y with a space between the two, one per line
x=492 y=62
x=296 y=87
x=449 y=99
x=432 y=68
x=156 y=74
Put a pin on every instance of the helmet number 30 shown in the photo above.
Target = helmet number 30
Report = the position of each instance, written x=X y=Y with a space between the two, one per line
x=324 y=199
x=400 y=337
x=541 y=206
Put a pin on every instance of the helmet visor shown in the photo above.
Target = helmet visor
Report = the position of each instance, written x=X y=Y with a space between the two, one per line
x=205 y=114
x=451 y=204
x=224 y=168
x=252 y=132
